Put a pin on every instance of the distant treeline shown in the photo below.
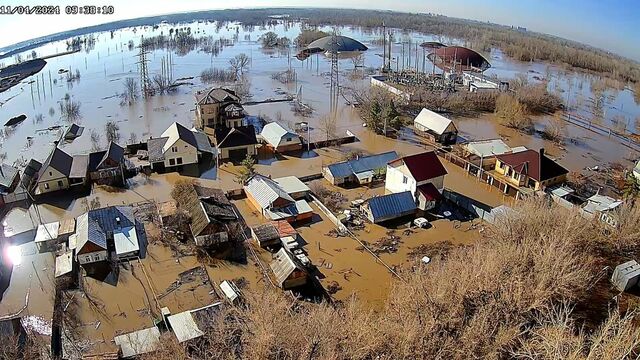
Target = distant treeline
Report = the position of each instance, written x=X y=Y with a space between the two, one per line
x=520 y=45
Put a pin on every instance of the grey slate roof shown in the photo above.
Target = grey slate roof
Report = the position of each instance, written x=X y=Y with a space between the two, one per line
x=154 y=148
x=362 y=164
x=59 y=160
x=114 y=152
x=7 y=175
x=238 y=136
x=392 y=204
x=216 y=95
x=202 y=142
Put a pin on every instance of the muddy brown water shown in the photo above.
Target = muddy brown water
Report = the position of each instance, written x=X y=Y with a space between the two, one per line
x=103 y=71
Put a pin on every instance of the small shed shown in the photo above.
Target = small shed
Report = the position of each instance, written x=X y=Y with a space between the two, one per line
x=293 y=186
x=626 y=276
x=436 y=126
x=138 y=342
x=126 y=242
x=284 y=229
x=266 y=235
x=230 y=290
x=389 y=207
x=288 y=272
x=67 y=228
x=47 y=236
x=64 y=264
x=280 y=139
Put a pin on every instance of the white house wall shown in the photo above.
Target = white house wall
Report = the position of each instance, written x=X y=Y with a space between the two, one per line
x=394 y=182
x=51 y=177
x=187 y=152
x=92 y=257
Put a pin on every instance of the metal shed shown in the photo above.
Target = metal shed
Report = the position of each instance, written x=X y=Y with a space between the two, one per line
x=388 y=207
x=626 y=276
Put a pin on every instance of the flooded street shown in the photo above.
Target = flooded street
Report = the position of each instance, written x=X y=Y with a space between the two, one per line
x=106 y=64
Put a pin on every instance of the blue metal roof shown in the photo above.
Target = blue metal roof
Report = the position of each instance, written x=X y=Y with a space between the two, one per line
x=392 y=204
x=362 y=164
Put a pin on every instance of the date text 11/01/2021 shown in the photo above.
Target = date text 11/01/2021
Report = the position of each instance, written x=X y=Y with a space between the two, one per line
x=56 y=10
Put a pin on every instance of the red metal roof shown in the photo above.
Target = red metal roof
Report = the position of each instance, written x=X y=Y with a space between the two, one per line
x=537 y=166
x=460 y=58
x=430 y=192
x=424 y=166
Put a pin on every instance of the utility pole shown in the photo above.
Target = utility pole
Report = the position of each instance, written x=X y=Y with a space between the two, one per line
x=384 y=47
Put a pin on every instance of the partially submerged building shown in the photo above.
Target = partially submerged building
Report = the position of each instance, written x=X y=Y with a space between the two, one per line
x=289 y=273
x=218 y=107
x=189 y=325
x=210 y=212
x=47 y=236
x=422 y=175
x=108 y=167
x=626 y=276
x=266 y=235
x=601 y=207
x=483 y=153
x=388 y=207
x=235 y=143
x=178 y=146
x=138 y=342
x=362 y=170
x=529 y=169
x=9 y=181
x=436 y=127
x=113 y=230
x=274 y=202
x=61 y=171
x=280 y=139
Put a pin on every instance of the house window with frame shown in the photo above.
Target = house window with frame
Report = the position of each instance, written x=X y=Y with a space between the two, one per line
x=172 y=162
x=46 y=186
x=404 y=179
x=174 y=149
x=179 y=161
x=60 y=183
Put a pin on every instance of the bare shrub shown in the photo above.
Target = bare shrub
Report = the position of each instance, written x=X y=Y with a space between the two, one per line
x=538 y=100
x=131 y=92
x=512 y=113
x=213 y=75
x=112 y=131
x=70 y=109
x=333 y=200
x=554 y=129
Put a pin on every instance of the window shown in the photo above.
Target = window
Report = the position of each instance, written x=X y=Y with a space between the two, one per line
x=172 y=161
x=60 y=183
x=174 y=149
x=289 y=139
x=50 y=173
x=179 y=161
x=404 y=179
x=46 y=186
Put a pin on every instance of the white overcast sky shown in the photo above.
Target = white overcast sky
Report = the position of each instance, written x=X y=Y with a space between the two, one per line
x=609 y=25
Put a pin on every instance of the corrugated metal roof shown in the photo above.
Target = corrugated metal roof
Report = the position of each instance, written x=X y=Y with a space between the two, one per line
x=283 y=265
x=600 y=203
x=392 y=204
x=265 y=191
x=297 y=208
x=337 y=44
x=64 y=264
x=433 y=121
x=274 y=132
x=47 y=232
x=138 y=342
x=362 y=164
x=485 y=148
x=126 y=240
x=184 y=326
x=265 y=232
x=291 y=184
x=155 y=149
x=79 y=166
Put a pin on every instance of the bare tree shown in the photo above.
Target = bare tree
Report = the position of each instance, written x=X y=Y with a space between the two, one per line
x=112 y=131
x=239 y=63
x=329 y=127
x=131 y=92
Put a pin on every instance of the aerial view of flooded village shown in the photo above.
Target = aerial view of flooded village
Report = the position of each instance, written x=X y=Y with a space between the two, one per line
x=316 y=183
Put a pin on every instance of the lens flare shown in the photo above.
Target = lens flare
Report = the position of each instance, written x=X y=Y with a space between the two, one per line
x=14 y=254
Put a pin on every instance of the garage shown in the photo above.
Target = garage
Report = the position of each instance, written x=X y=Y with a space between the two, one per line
x=238 y=154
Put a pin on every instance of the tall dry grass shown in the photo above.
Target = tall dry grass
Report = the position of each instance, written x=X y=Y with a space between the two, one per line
x=512 y=295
